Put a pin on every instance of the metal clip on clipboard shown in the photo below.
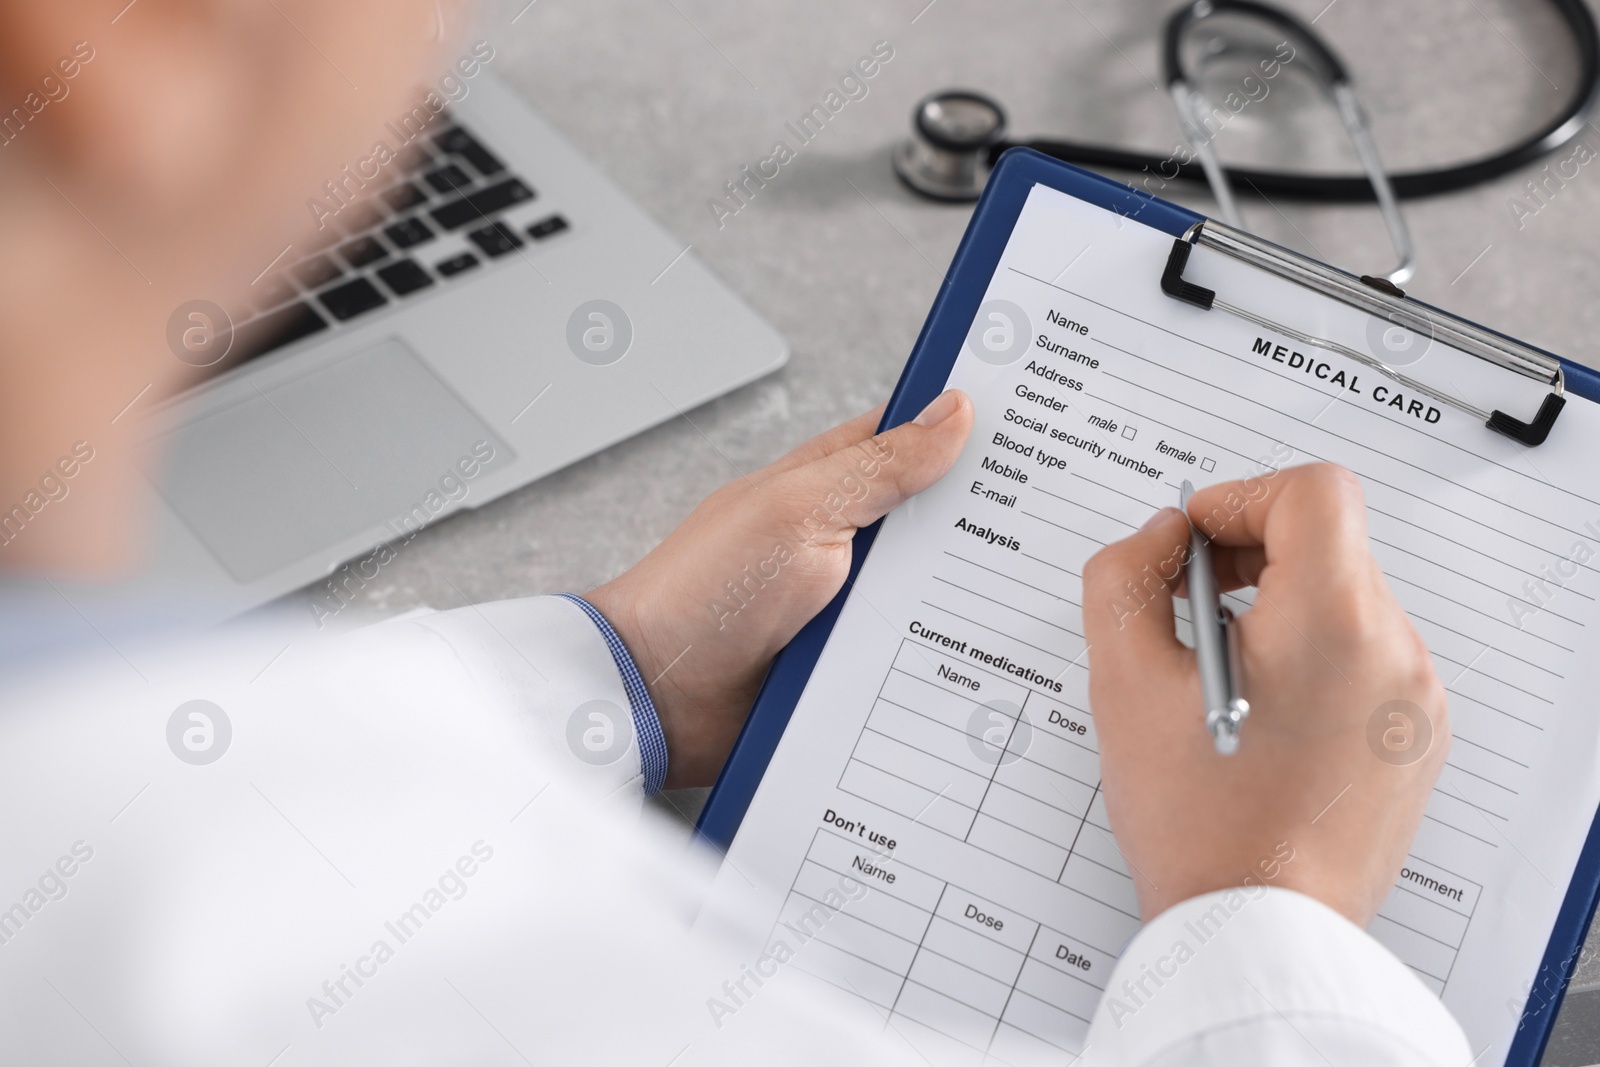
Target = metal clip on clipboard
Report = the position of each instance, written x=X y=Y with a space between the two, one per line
x=1376 y=296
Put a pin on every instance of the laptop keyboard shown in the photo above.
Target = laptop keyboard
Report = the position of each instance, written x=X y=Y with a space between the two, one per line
x=446 y=207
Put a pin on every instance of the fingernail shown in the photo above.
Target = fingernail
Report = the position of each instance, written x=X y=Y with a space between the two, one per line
x=944 y=405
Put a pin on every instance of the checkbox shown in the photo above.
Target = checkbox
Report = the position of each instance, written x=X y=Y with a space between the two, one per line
x=1208 y=464
x=1129 y=432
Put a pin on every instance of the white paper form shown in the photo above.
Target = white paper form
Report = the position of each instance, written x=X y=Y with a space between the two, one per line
x=943 y=755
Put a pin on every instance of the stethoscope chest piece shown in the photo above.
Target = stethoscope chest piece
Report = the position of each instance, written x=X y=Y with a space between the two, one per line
x=947 y=157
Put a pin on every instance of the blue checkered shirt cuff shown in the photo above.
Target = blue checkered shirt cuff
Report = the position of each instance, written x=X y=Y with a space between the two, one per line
x=646 y=724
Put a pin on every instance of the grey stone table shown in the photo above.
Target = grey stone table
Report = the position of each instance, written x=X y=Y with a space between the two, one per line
x=672 y=97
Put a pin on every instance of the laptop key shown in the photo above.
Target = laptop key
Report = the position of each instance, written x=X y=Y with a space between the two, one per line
x=364 y=250
x=456 y=264
x=274 y=330
x=404 y=196
x=547 y=227
x=461 y=143
x=448 y=179
x=405 y=277
x=475 y=207
x=316 y=271
x=415 y=157
x=409 y=232
x=496 y=239
x=351 y=299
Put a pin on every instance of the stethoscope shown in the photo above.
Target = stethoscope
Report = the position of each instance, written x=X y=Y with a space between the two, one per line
x=958 y=134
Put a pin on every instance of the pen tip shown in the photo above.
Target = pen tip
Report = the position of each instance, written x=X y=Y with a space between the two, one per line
x=1185 y=491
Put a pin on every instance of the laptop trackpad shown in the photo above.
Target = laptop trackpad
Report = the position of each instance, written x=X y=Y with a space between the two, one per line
x=297 y=469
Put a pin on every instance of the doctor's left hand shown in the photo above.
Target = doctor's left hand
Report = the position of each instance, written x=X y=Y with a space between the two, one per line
x=704 y=613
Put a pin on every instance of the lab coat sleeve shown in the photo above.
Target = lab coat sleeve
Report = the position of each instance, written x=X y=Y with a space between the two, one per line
x=568 y=676
x=1267 y=975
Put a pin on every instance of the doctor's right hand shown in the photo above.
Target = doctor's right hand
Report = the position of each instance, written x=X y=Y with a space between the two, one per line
x=1347 y=729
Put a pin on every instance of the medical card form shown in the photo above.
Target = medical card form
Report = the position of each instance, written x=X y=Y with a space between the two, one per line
x=941 y=763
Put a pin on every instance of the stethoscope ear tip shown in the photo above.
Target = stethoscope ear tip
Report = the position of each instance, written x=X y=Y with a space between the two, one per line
x=947 y=156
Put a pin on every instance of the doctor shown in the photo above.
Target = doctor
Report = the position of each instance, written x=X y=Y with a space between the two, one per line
x=397 y=853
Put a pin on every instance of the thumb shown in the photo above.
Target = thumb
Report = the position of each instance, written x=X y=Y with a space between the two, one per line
x=1127 y=596
x=858 y=484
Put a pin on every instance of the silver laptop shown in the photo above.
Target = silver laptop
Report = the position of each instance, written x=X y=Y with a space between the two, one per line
x=491 y=309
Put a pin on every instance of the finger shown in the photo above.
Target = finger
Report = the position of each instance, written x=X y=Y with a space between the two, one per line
x=857 y=484
x=1237 y=566
x=828 y=442
x=1127 y=596
x=1309 y=522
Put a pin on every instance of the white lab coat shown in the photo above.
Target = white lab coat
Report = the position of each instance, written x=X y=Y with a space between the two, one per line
x=398 y=859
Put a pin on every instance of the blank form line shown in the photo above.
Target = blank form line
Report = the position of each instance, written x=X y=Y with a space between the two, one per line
x=1478 y=640
x=1481 y=641
x=994 y=630
x=870 y=729
x=937 y=796
x=1470 y=668
x=1052 y=842
x=1009 y=607
x=1086 y=507
x=1068 y=529
x=1459 y=830
x=1119 y=492
x=1049 y=1004
x=1011 y=577
x=1483 y=553
x=1093 y=787
x=1536 y=547
x=1491 y=751
x=1495 y=589
x=1491 y=707
x=1485 y=614
x=1419 y=933
x=803 y=895
x=1470 y=804
x=1057 y=566
x=1482 y=778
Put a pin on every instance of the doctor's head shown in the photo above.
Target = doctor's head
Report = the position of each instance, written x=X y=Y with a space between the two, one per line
x=154 y=153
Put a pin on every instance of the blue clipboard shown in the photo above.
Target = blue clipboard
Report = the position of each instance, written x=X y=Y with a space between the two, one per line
x=924 y=377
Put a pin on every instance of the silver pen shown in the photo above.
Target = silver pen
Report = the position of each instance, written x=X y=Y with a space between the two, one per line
x=1215 y=642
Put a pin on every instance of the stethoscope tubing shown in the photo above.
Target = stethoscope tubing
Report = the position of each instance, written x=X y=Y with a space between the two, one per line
x=1345 y=188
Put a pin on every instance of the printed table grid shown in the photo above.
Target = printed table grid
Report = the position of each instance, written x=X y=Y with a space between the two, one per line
x=973 y=763
x=950 y=971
